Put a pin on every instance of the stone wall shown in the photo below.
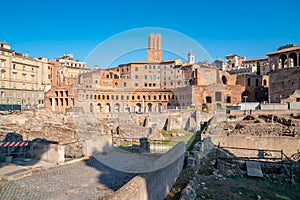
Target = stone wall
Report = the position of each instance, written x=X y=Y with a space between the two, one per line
x=155 y=185
x=53 y=153
x=287 y=144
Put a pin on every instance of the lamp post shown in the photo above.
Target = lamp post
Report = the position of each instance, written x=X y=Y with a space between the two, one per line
x=245 y=97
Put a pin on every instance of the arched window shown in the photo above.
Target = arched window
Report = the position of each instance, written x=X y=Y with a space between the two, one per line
x=224 y=80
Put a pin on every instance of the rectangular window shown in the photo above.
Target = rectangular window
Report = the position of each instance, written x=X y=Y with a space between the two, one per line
x=145 y=66
x=208 y=99
x=136 y=84
x=23 y=77
x=32 y=78
x=3 y=84
x=136 y=77
x=2 y=74
x=15 y=85
x=125 y=84
x=14 y=75
x=2 y=63
x=136 y=69
x=218 y=96
x=14 y=66
x=145 y=76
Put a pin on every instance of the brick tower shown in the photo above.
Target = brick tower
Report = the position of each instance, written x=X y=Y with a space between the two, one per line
x=154 y=53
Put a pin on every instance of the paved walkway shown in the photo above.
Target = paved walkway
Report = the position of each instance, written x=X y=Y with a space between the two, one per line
x=128 y=162
x=87 y=179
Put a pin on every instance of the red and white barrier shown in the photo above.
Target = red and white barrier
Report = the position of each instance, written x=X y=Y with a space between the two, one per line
x=13 y=144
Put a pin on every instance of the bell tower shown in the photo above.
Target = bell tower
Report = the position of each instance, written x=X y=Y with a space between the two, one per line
x=154 y=53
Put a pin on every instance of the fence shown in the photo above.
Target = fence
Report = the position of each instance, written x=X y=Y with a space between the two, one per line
x=14 y=148
x=10 y=107
x=263 y=155
x=133 y=144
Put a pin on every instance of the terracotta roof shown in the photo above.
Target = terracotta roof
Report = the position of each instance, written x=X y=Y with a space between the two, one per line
x=254 y=59
x=285 y=50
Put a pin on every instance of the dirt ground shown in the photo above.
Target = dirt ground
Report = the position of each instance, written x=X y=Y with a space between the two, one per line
x=215 y=183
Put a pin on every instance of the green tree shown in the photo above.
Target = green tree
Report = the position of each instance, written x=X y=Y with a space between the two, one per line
x=258 y=68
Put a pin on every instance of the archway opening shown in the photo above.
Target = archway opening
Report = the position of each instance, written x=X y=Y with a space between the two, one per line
x=107 y=108
x=282 y=61
x=117 y=108
x=293 y=60
x=224 y=80
x=138 y=108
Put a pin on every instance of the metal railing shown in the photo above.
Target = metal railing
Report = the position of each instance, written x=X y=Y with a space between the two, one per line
x=156 y=146
x=263 y=155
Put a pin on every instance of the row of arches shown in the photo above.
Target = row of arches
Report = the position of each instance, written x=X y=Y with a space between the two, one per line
x=116 y=108
x=133 y=97
x=290 y=60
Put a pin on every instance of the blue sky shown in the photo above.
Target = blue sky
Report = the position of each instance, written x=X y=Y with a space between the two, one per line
x=51 y=28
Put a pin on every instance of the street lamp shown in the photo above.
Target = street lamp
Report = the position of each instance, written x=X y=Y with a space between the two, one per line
x=245 y=97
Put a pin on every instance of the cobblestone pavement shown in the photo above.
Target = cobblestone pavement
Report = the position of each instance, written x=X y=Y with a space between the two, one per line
x=83 y=180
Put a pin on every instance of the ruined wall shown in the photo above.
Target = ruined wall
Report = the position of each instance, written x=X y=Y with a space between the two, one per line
x=283 y=83
x=53 y=153
x=155 y=185
x=287 y=144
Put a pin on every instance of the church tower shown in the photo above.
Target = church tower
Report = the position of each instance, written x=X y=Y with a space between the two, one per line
x=154 y=53
x=191 y=58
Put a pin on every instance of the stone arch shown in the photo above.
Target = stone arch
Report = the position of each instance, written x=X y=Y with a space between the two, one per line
x=169 y=105
x=293 y=59
x=219 y=106
x=117 y=108
x=149 y=107
x=107 y=108
x=91 y=107
x=282 y=61
x=99 y=107
x=160 y=107
x=138 y=108
x=224 y=80
x=245 y=94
